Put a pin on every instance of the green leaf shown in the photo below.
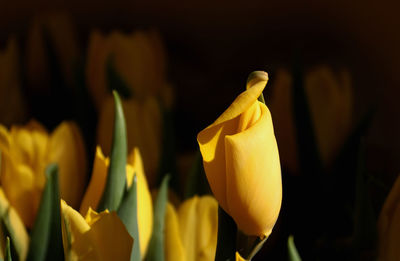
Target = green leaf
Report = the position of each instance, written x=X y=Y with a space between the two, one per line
x=116 y=178
x=128 y=214
x=226 y=244
x=46 y=236
x=196 y=183
x=156 y=245
x=115 y=81
x=292 y=251
x=8 y=250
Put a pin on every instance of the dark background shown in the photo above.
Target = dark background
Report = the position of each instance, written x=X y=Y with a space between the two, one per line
x=212 y=46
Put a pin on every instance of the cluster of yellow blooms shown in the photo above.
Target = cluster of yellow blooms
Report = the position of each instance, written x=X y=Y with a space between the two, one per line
x=239 y=150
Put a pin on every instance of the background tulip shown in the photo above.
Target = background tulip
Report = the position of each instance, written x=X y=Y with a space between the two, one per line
x=100 y=236
x=51 y=34
x=389 y=225
x=330 y=102
x=241 y=160
x=97 y=184
x=138 y=58
x=144 y=128
x=191 y=232
x=26 y=151
x=12 y=103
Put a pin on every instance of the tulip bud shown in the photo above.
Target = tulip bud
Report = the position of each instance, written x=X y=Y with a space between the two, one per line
x=241 y=160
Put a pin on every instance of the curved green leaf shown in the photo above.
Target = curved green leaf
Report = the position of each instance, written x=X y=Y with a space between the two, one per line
x=116 y=178
x=46 y=236
x=292 y=251
x=156 y=245
x=128 y=215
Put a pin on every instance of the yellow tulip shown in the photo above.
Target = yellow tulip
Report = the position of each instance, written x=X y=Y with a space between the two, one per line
x=21 y=238
x=56 y=28
x=100 y=236
x=330 y=101
x=138 y=58
x=25 y=153
x=389 y=225
x=191 y=234
x=143 y=124
x=97 y=184
x=241 y=161
x=12 y=104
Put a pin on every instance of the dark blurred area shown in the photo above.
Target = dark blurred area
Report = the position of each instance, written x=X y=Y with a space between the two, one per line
x=212 y=46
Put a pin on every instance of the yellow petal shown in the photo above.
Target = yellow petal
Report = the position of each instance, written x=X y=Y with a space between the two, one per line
x=110 y=238
x=254 y=188
x=145 y=205
x=4 y=138
x=198 y=219
x=104 y=237
x=172 y=242
x=97 y=182
x=67 y=150
x=239 y=257
x=21 y=238
x=212 y=144
x=18 y=182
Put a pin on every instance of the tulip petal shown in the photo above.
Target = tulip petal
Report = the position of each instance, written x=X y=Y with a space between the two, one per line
x=173 y=243
x=198 y=219
x=254 y=180
x=145 y=205
x=14 y=227
x=97 y=182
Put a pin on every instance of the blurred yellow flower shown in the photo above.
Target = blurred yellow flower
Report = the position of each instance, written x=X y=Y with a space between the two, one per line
x=330 y=101
x=191 y=234
x=99 y=236
x=12 y=104
x=97 y=184
x=241 y=161
x=389 y=225
x=9 y=216
x=53 y=30
x=138 y=58
x=144 y=130
x=25 y=153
